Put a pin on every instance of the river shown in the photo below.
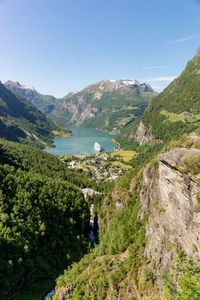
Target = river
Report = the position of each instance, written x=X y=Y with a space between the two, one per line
x=82 y=142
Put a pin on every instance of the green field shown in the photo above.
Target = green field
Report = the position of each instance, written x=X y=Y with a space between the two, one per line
x=124 y=155
x=184 y=117
x=121 y=165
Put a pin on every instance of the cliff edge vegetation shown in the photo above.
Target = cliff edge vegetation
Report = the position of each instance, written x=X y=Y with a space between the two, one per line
x=149 y=233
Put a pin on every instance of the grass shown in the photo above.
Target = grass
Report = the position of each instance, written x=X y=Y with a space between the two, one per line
x=124 y=155
x=61 y=133
x=103 y=155
x=86 y=167
x=184 y=117
x=120 y=164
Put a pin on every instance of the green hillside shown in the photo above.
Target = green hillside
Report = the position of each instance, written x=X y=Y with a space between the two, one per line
x=43 y=216
x=120 y=267
x=148 y=239
x=142 y=251
x=173 y=112
x=108 y=105
x=118 y=110
x=45 y=103
x=22 y=122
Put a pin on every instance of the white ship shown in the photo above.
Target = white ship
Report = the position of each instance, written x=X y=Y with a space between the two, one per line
x=97 y=147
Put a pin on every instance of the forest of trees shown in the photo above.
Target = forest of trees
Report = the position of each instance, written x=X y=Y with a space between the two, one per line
x=43 y=216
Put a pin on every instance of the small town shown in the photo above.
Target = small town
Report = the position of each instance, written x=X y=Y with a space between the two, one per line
x=105 y=166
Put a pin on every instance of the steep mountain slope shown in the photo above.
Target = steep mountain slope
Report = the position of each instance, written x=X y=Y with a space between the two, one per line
x=175 y=111
x=149 y=223
x=149 y=246
x=43 y=216
x=45 y=103
x=20 y=121
x=107 y=105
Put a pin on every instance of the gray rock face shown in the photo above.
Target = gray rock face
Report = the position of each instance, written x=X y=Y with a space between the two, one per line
x=170 y=196
x=144 y=135
x=87 y=110
x=178 y=155
x=105 y=96
x=64 y=293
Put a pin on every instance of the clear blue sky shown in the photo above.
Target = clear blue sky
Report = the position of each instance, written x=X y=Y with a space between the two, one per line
x=61 y=45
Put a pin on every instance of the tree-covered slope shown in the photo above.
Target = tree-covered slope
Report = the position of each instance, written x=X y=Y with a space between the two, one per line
x=20 y=121
x=149 y=245
x=174 y=111
x=43 y=216
x=149 y=224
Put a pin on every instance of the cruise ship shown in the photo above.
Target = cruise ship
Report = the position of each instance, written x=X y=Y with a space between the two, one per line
x=97 y=147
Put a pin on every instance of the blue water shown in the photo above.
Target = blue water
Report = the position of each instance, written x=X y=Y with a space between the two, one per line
x=82 y=142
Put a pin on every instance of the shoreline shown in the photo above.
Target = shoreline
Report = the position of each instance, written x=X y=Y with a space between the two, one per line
x=114 y=146
x=66 y=135
x=117 y=149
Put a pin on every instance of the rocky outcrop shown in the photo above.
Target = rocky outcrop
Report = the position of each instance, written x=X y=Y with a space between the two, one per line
x=168 y=201
x=170 y=197
x=81 y=111
x=64 y=293
x=144 y=135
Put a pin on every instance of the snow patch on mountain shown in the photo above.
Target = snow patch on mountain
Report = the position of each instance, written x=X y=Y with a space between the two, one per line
x=16 y=84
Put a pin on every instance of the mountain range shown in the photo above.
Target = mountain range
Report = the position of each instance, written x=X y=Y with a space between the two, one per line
x=45 y=103
x=21 y=121
x=148 y=242
x=108 y=105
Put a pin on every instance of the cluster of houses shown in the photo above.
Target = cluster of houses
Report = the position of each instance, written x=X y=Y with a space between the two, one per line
x=100 y=167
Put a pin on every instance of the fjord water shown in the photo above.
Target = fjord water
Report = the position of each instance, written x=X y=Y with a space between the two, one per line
x=82 y=142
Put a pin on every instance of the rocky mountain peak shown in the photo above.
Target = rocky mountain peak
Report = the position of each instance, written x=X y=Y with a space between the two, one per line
x=127 y=82
x=120 y=84
x=17 y=85
x=12 y=83
x=102 y=100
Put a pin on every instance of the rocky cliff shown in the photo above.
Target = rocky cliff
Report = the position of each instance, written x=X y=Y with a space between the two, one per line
x=149 y=236
x=171 y=198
